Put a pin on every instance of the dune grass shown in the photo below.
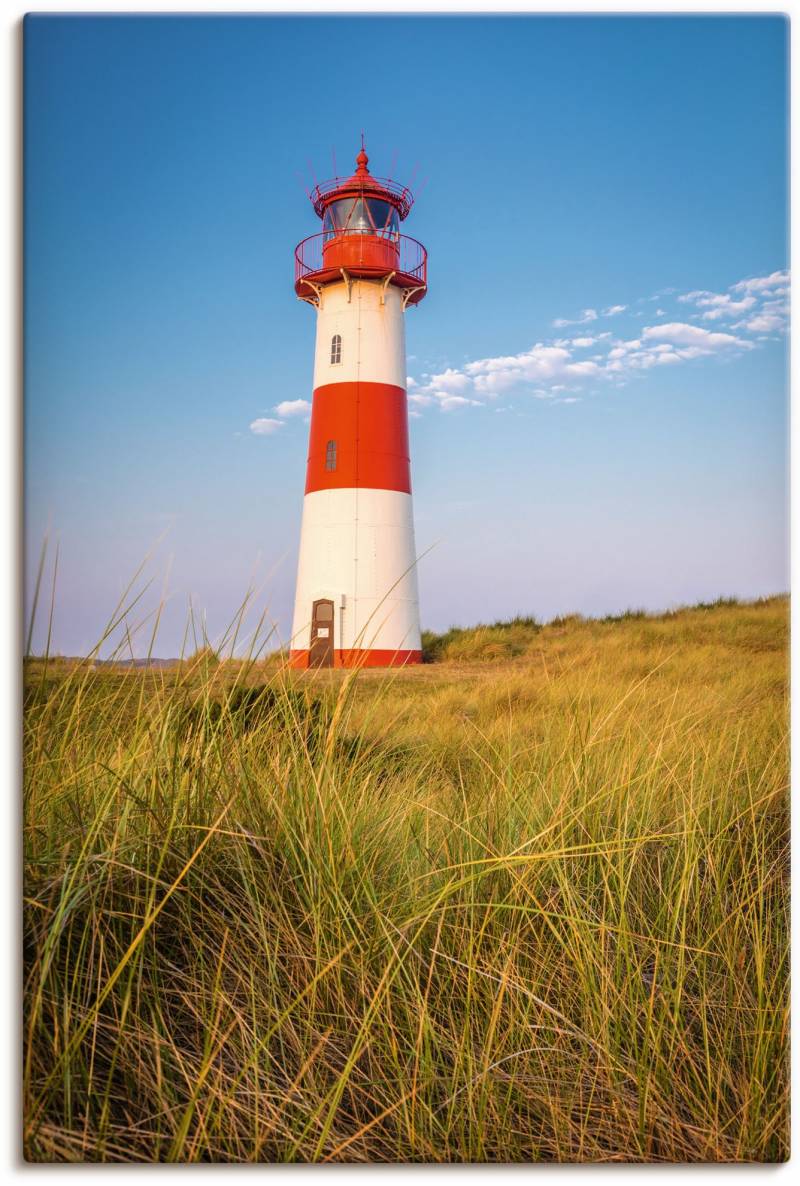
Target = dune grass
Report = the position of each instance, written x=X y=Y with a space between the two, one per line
x=527 y=909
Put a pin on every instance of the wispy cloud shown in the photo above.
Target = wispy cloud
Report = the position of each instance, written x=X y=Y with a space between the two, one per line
x=549 y=368
x=541 y=364
x=703 y=341
x=776 y=280
x=451 y=402
x=265 y=427
x=293 y=407
x=449 y=381
x=718 y=305
x=764 y=323
x=764 y=300
x=586 y=316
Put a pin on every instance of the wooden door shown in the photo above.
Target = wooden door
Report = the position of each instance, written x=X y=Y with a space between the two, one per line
x=321 y=652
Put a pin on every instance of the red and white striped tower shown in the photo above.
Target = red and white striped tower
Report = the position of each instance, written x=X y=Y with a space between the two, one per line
x=356 y=601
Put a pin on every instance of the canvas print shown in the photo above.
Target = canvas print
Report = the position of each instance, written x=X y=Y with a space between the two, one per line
x=406 y=589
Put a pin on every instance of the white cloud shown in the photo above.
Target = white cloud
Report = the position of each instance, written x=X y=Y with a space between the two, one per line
x=762 y=283
x=410 y=382
x=772 y=317
x=541 y=363
x=582 y=368
x=764 y=323
x=717 y=304
x=264 y=427
x=449 y=381
x=728 y=309
x=586 y=316
x=682 y=334
x=550 y=367
x=293 y=407
x=451 y=402
x=762 y=298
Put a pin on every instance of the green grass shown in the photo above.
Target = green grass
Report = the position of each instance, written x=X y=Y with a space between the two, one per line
x=533 y=908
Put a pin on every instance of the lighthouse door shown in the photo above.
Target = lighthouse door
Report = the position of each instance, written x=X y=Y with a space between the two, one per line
x=321 y=653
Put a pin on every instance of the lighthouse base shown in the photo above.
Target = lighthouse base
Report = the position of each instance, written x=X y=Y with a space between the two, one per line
x=359 y=657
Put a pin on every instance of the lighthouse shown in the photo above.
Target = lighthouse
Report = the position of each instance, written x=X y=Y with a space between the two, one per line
x=356 y=601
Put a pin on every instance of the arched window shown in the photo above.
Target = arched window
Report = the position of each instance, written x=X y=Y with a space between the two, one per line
x=330 y=455
x=336 y=348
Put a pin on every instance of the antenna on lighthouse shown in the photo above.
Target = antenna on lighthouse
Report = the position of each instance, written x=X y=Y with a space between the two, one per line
x=302 y=184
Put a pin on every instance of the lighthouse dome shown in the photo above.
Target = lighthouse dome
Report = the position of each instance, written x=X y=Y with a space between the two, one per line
x=360 y=236
x=381 y=195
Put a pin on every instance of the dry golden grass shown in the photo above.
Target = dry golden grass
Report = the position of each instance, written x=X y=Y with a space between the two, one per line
x=500 y=909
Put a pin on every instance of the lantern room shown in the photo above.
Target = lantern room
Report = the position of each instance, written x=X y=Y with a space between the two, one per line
x=360 y=237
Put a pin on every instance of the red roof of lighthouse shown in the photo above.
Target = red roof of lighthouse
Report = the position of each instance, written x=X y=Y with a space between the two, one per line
x=362 y=182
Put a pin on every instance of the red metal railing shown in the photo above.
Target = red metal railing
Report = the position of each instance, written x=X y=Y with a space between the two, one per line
x=365 y=254
x=322 y=192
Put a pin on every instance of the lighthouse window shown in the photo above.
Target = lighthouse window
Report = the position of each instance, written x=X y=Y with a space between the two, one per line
x=336 y=348
x=349 y=216
x=330 y=455
x=384 y=216
x=337 y=213
x=359 y=219
x=360 y=216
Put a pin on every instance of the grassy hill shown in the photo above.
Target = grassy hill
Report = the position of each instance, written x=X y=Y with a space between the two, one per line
x=522 y=635
x=526 y=901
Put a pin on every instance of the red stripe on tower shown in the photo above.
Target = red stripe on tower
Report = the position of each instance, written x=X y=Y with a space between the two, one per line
x=360 y=657
x=359 y=437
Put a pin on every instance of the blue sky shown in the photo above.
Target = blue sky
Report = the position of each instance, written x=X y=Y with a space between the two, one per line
x=600 y=366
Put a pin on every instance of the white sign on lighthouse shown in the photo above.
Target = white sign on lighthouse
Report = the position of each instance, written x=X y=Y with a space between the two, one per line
x=356 y=601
